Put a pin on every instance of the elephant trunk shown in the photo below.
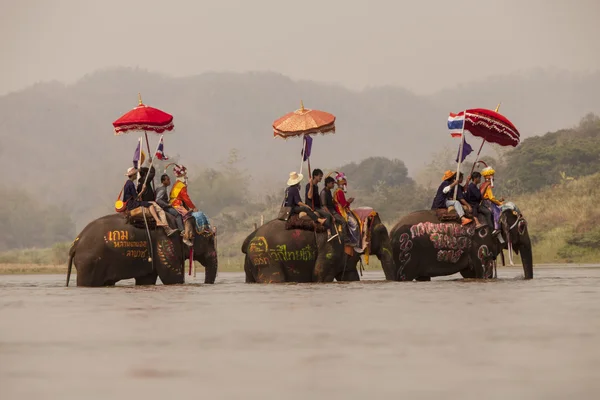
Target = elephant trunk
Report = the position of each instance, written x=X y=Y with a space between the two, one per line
x=527 y=259
x=387 y=260
x=210 y=268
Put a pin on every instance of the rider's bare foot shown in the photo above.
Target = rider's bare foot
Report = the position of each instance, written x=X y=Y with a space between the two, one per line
x=321 y=220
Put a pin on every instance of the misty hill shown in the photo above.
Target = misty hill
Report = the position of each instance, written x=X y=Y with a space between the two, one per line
x=57 y=141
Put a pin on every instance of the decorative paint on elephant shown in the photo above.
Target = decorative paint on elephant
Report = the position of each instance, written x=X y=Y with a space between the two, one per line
x=406 y=246
x=125 y=240
x=166 y=254
x=281 y=253
x=451 y=240
x=483 y=253
x=427 y=228
x=262 y=255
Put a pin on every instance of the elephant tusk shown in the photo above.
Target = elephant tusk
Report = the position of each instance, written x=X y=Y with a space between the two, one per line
x=510 y=254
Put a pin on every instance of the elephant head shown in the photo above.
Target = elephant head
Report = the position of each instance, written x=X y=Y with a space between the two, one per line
x=482 y=253
x=516 y=235
x=205 y=252
x=381 y=246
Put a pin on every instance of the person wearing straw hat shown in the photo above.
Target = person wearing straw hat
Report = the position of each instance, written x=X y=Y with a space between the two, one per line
x=294 y=201
x=131 y=198
x=444 y=197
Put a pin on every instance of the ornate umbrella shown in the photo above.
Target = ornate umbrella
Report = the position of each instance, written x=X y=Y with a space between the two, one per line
x=302 y=122
x=492 y=127
x=143 y=118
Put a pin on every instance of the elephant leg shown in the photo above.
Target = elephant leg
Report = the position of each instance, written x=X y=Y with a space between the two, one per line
x=409 y=271
x=248 y=267
x=349 y=271
x=145 y=280
x=468 y=273
x=423 y=278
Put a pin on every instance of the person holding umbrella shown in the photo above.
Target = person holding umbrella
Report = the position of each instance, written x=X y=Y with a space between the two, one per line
x=131 y=199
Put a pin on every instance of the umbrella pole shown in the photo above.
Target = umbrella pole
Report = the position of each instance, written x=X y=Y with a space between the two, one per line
x=150 y=155
x=152 y=162
x=460 y=152
x=477 y=158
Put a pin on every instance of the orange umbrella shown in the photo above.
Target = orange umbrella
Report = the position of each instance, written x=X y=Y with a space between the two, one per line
x=304 y=122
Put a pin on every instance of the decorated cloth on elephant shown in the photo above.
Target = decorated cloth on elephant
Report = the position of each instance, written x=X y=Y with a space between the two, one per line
x=489 y=200
x=342 y=206
x=180 y=201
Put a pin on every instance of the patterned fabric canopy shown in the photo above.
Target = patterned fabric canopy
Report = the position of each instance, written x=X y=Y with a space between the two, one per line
x=491 y=126
x=144 y=118
x=304 y=122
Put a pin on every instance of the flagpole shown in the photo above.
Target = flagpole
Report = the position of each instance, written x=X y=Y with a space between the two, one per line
x=302 y=154
x=140 y=146
x=460 y=152
x=152 y=158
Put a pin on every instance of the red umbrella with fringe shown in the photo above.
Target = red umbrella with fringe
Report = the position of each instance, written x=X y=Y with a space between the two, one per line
x=143 y=118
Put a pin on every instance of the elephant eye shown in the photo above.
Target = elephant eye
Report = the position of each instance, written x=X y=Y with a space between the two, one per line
x=514 y=212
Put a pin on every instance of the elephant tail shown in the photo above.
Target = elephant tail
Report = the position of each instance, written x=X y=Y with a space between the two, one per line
x=71 y=256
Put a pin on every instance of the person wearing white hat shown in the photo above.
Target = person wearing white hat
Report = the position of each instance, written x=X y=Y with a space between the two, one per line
x=294 y=201
x=130 y=198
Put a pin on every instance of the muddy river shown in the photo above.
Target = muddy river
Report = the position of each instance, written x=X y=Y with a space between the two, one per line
x=445 y=339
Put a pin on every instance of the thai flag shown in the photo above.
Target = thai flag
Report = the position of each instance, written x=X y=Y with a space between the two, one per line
x=160 y=153
x=456 y=123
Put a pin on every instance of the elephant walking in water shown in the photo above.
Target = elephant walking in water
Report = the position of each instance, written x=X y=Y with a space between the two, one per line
x=276 y=254
x=110 y=249
x=424 y=247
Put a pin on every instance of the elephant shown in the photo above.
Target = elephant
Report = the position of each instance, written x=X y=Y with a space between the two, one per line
x=423 y=247
x=275 y=254
x=110 y=249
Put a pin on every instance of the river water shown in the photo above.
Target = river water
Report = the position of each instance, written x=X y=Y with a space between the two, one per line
x=445 y=339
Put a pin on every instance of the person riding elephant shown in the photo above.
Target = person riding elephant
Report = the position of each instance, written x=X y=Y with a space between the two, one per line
x=144 y=187
x=444 y=197
x=276 y=254
x=489 y=201
x=113 y=248
x=181 y=202
x=423 y=247
x=342 y=206
x=131 y=199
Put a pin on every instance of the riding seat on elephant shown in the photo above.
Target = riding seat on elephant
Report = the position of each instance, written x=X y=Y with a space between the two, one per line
x=427 y=244
x=129 y=245
x=297 y=250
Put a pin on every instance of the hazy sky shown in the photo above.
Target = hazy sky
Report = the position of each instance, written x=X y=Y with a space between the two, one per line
x=421 y=45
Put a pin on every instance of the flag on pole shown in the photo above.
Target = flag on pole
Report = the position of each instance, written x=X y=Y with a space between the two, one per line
x=160 y=153
x=456 y=123
x=307 y=147
x=467 y=149
x=136 y=155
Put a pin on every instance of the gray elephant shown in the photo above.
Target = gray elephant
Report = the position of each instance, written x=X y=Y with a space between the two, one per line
x=276 y=254
x=423 y=247
x=113 y=248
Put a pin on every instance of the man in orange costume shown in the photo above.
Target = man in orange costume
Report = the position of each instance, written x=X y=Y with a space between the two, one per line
x=180 y=201
x=342 y=205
